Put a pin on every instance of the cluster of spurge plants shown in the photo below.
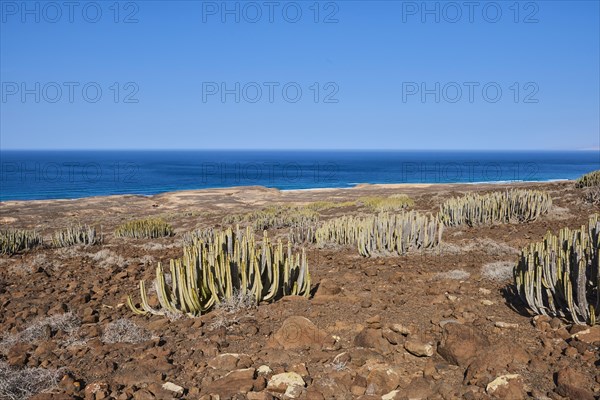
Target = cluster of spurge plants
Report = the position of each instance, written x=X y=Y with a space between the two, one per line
x=590 y=187
x=495 y=207
x=148 y=228
x=224 y=264
x=559 y=276
x=383 y=233
x=589 y=180
x=13 y=241
x=398 y=233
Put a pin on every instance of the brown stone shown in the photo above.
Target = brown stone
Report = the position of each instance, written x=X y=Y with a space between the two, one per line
x=382 y=380
x=259 y=396
x=460 y=344
x=93 y=390
x=328 y=287
x=51 y=396
x=238 y=381
x=299 y=332
x=591 y=335
x=392 y=337
x=373 y=339
x=230 y=361
x=282 y=382
x=495 y=361
x=418 y=348
x=508 y=387
x=573 y=384
x=419 y=388
x=374 y=322
x=143 y=394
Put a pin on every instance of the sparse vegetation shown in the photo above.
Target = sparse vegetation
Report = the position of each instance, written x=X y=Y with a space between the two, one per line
x=559 y=275
x=327 y=205
x=588 y=180
x=455 y=274
x=213 y=271
x=76 y=234
x=204 y=235
x=239 y=301
x=13 y=241
x=274 y=217
x=21 y=384
x=382 y=234
x=592 y=196
x=148 y=228
x=125 y=331
x=495 y=207
x=227 y=313
x=396 y=202
x=42 y=329
x=498 y=271
x=303 y=233
x=107 y=259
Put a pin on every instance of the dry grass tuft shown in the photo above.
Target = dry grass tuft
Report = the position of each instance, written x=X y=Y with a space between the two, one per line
x=108 y=259
x=455 y=274
x=226 y=312
x=498 y=271
x=125 y=331
x=20 y=384
x=42 y=329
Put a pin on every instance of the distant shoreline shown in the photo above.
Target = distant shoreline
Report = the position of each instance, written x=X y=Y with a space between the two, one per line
x=75 y=175
x=258 y=188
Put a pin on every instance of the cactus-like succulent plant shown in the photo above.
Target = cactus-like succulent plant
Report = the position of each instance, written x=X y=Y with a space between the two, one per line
x=396 y=202
x=559 y=276
x=202 y=234
x=495 y=207
x=229 y=263
x=302 y=233
x=280 y=216
x=148 y=228
x=382 y=234
x=76 y=234
x=588 y=180
x=13 y=241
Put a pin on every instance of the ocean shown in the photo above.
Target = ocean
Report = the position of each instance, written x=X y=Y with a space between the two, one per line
x=28 y=175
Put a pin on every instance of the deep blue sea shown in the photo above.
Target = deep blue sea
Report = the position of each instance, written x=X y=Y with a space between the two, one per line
x=26 y=175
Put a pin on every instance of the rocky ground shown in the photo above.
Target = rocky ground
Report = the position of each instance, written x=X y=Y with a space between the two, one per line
x=434 y=325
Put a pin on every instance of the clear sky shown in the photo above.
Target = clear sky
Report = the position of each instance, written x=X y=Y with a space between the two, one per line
x=304 y=74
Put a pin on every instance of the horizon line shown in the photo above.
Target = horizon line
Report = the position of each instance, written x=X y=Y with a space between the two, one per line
x=286 y=149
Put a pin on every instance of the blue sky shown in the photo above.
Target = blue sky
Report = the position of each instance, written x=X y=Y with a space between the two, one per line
x=340 y=75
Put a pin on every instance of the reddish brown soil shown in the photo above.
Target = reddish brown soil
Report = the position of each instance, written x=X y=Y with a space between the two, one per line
x=357 y=300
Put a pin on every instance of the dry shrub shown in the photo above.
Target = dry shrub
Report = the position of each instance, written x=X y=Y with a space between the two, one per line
x=20 y=384
x=226 y=311
x=455 y=274
x=42 y=329
x=108 y=258
x=498 y=271
x=125 y=331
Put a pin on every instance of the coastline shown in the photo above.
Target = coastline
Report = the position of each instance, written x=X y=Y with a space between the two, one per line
x=257 y=189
